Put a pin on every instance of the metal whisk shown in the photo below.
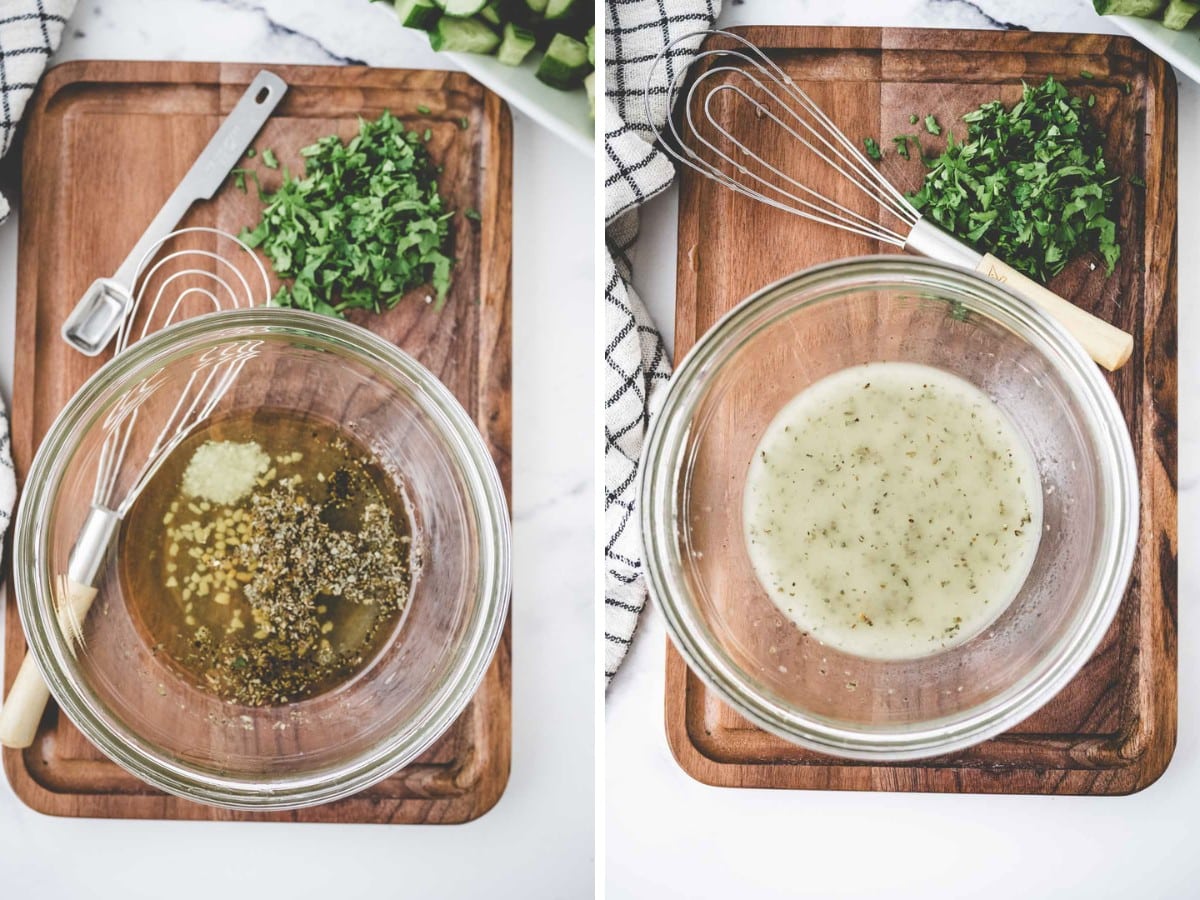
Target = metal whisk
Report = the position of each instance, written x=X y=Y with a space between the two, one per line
x=223 y=287
x=180 y=284
x=741 y=73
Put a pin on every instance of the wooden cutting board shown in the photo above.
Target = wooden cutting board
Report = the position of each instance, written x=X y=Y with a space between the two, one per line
x=107 y=143
x=1112 y=730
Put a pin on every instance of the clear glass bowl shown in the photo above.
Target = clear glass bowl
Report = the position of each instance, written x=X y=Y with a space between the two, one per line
x=133 y=706
x=730 y=387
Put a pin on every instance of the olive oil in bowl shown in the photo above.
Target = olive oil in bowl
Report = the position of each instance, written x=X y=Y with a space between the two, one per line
x=269 y=558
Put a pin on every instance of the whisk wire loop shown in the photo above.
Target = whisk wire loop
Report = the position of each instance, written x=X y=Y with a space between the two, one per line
x=745 y=74
x=162 y=298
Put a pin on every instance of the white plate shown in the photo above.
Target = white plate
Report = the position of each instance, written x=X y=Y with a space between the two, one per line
x=1180 y=48
x=563 y=112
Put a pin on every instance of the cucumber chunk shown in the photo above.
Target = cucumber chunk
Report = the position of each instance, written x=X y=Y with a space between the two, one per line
x=463 y=35
x=516 y=45
x=421 y=14
x=1179 y=13
x=1143 y=8
x=560 y=9
x=463 y=9
x=537 y=6
x=564 y=63
x=590 y=40
x=491 y=14
x=589 y=84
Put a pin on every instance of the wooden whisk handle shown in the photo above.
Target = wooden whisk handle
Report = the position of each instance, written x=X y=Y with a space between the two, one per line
x=28 y=696
x=1106 y=344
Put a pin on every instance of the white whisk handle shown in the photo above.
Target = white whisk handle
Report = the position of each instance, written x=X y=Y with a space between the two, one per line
x=24 y=705
x=1106 y=344
x=27 y=699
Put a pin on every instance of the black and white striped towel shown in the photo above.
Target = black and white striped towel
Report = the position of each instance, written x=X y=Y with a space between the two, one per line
x=29 y=33
x=636 y=364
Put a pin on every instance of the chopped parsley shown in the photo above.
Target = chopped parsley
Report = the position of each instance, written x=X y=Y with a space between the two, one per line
x=363 y=225
x=1029 y=184
x=269 y=160
x=931 y=124
x=873 y=150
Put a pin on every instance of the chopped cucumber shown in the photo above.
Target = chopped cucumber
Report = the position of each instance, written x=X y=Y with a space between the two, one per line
x=463 y=35
x=491 y=14
x=463 y=9
x=513 y=29
x=1179 y=13
x=1143 y=8
x=516 y=45
x=560 y=9
x=422 y=14
x=564 y=63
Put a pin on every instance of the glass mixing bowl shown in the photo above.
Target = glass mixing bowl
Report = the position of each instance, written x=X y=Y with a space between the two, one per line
x=134 y=706
x=733 y=383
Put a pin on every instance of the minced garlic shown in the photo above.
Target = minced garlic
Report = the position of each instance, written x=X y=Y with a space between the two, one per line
x=225 y=471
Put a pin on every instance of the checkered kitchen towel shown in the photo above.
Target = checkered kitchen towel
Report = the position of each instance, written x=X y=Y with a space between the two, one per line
x=29 y=32
x=637 y=365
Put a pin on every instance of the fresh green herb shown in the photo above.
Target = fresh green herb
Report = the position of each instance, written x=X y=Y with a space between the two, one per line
x=473 y=215
x=1084 y=73
x=269 y=160
x=931 y=124
x=1137 y=180
x=427 y=135
x=363 y=226
x=1029 y=184
x=1091 y=100
x=873 y=150
x=901 y=142
x=423 y=109
x=250 y=153
x=912 y=119
x=241 y=175
x=464 y=123
x=1129 y=87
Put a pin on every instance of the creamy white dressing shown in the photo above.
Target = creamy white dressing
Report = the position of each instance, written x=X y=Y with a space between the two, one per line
x=892 y=510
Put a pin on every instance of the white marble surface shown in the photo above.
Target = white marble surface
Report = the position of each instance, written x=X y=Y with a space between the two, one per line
x=669 y=836
x=537 y=843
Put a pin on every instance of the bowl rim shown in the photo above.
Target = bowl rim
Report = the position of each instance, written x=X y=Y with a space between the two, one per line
x=52 y=654
x=662 y=460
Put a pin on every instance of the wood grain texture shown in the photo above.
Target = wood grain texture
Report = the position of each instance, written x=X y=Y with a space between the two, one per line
x=1111 y=730
x=107 y=143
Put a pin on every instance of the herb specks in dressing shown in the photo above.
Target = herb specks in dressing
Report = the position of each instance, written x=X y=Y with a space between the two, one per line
x=891 y=510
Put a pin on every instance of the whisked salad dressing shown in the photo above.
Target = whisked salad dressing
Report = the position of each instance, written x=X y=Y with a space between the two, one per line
x=891 y=510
